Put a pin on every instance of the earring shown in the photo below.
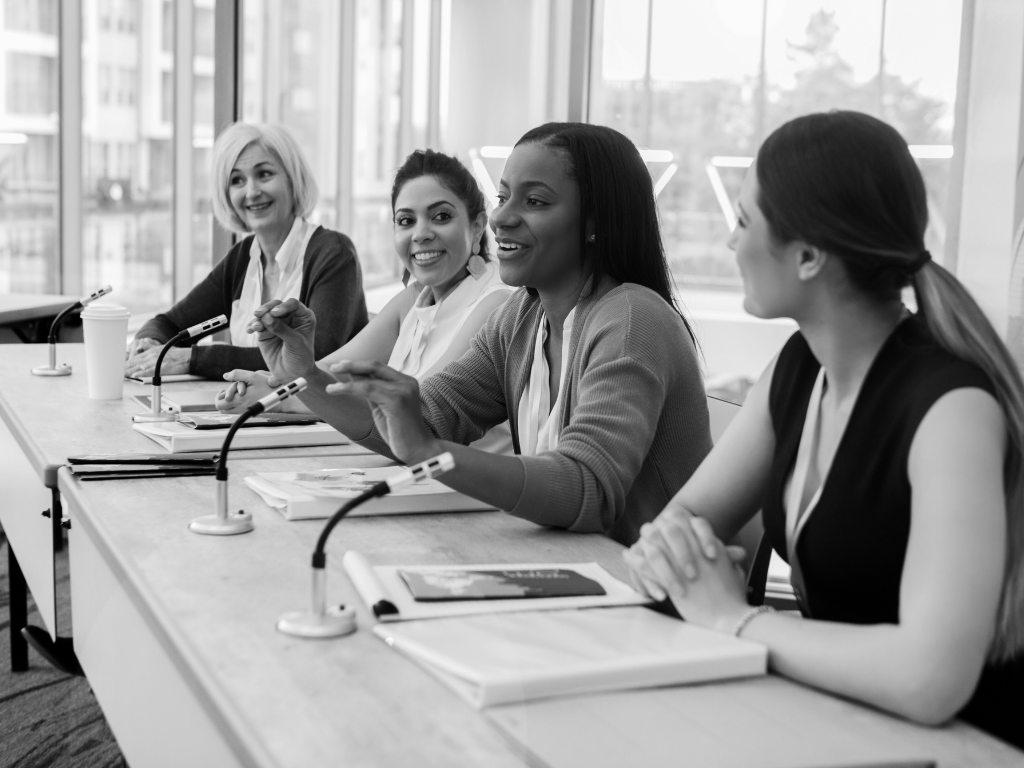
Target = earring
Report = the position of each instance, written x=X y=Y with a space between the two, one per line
x=476 y=264
x=592 y=238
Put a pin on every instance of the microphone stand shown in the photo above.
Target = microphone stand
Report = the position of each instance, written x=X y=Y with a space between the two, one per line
x=156 y=412
x=322 y=621
x=220 y=523
x=52 y=369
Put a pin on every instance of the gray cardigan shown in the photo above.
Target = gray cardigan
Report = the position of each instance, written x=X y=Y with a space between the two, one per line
x=634 y=422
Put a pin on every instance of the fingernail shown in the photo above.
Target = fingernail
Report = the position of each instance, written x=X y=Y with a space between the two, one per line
x=690 y=571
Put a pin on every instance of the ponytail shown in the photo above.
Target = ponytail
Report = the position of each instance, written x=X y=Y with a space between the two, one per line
x=958 y=325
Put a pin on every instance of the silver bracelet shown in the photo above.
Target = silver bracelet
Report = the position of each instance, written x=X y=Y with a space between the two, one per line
x=748 y=616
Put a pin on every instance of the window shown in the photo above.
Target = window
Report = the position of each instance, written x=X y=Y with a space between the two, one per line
x=38 y=16
x=127 y=184
x=31 y=84
x=692 y=83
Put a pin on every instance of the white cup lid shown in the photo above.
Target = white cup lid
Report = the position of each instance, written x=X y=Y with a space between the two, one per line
x=98 y=311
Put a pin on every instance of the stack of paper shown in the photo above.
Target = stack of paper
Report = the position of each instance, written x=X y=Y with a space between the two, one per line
x=177 y=438
x=500 y=658
x=319 y=493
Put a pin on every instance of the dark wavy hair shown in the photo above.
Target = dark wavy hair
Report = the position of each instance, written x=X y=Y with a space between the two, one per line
x=452 y=175
x=617 y=194
x=845 y=182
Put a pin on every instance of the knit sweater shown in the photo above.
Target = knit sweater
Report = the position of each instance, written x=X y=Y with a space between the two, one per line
x=634 y=418
x=332 y=286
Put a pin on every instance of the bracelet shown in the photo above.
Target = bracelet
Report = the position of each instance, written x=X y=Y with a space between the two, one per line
x=749 y=615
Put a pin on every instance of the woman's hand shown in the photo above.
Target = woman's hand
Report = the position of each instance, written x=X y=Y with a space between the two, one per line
x=246 y=388
x=285 y=330
x=394 y=401
x=143 y=364
x=140 y=345
x=680 y=556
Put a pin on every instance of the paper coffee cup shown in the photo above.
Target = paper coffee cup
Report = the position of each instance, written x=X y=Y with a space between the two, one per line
x=106 y=332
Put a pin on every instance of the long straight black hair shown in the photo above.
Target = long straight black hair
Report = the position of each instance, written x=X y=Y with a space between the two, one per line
x=617 y=194
x=845 y=182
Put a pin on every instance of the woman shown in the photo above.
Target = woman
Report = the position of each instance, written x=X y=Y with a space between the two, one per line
x=440 y=231
x=884 y=447
x=261 y=184
x=591 y=363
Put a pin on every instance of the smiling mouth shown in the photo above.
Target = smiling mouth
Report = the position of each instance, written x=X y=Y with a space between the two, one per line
x=426 y=257
x=509 y=249
x=258 y=207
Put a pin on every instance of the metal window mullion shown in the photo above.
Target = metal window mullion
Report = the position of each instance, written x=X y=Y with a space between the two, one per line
x=227 y=95
x=70 y=152
x=579 y=60
x=182 y=142
x=346 y=115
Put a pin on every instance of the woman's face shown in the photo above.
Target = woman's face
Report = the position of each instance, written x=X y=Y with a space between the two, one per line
x=769 y=285
x=434 y=235
x=261 y=192
x=537 y=220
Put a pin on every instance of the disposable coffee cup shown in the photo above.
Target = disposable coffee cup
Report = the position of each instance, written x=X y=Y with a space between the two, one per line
x=106 y=332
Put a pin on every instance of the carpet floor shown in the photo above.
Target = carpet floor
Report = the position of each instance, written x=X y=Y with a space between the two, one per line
x=48 y=719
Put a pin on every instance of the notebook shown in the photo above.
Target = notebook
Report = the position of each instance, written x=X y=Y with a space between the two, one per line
x=502 y=658
x=178 y=439
x=319 y=493
x=386 y=593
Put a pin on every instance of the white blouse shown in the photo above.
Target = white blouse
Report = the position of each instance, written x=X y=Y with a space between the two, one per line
x=540 y=423
x=283 y=279
x=428 y=331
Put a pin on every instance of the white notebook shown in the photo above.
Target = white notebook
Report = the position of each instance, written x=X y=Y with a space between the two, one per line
x=178 y=439
x=502 y=658
x=384 y=591
x=319 y=493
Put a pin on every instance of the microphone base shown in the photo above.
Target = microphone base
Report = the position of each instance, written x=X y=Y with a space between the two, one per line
x=49 y=370
x=213 y=525
x=335 y=622
x=152 y=417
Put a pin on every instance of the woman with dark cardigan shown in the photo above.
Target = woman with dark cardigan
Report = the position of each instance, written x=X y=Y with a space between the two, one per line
x=590 y=362
x=262 y=184
x=883 y=446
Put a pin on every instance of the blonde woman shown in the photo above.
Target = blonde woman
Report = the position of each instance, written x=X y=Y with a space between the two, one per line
x=261 y=184
x=883 y=446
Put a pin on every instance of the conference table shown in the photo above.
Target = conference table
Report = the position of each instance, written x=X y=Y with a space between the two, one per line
x=27 y=316
x=176 y=634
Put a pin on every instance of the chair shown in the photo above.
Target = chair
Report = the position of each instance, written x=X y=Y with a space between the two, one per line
x=776 y=593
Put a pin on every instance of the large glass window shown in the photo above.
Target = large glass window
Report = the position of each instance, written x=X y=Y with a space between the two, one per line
x=28 y=146
x=700 y=84
x=202 y=139
x=126 y=150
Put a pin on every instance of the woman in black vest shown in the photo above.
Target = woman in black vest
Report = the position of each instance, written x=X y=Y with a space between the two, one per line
x=884 y=447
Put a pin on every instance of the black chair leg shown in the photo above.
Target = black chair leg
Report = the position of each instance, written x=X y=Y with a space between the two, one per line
x=19 y=612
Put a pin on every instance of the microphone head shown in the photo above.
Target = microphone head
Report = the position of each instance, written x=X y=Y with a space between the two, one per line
x=432 y=467
x=283 y=393
x=207 y=325
x=95 y=295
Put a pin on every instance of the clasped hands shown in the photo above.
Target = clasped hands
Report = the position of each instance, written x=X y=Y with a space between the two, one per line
x=285 y=331
x=140 y=359
x=679 y=557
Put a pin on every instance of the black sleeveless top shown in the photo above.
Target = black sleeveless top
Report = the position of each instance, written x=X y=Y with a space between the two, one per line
x=852 y=548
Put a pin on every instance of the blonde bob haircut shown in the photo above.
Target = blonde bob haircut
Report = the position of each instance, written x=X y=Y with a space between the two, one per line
x=279 y=143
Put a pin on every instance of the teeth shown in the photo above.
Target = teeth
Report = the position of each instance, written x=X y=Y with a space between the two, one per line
x=426 y=257
x=258 y=206
x=509 y=246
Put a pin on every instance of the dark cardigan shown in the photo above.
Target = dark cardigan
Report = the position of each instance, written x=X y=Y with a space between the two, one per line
x=332 y=286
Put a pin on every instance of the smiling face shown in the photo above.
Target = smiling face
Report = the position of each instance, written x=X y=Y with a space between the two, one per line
x=770 y=281
x=261 y=192
x=434 y=235
x=537 y=220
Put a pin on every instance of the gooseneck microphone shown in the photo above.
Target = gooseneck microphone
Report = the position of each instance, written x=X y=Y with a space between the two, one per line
x=195 y=332
x=64 y=369
x=221 y=524
x=321 y=621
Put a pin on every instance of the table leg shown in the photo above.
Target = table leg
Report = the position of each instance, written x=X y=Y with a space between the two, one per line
x=56 y=518
x=19 y=611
